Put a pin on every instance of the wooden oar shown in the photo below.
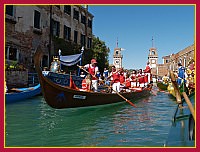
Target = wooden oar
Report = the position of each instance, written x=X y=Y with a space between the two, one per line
x=109 y=87
x=175 y=85
x=86 y=71
x=189 y=104
x=123 y=97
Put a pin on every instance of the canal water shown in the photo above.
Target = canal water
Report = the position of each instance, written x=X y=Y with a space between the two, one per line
x=32 y=123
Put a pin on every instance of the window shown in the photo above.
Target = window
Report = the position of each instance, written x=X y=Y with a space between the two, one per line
x=56 y=28
x=89 y=44
x=153 y=53
x=58 y=6
x=10 y=10
x=89 y=23
x=75 y=36
x=67 y=9
x=36 y=19
x=11 y=53
x=83 y=19
x=76 y=14
x=82 y=40
x=67 y=33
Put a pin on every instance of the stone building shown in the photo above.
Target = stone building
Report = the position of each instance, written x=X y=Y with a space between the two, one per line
x=170 y=62
x=27 y=26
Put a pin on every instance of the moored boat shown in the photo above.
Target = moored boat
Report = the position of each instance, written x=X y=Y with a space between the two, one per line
x=58 y=96
x=182 y=131
x=162 y=86
x=20 y=94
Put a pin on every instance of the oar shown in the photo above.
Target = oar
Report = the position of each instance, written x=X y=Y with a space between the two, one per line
x=177 y=93
x=86 y=71
x=189 y=104
x=123 y=97
x=109 y=87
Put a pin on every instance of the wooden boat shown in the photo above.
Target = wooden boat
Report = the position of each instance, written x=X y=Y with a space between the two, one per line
x=20 y=94
x=171 y=90
x=162 y=86
x=182 y=131
x=58 y=96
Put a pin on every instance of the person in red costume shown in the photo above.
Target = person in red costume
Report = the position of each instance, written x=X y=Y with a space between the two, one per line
x=115 y=77
x=141 y=78
x=86 y=83
x=147 y=70
x=92 y=69
x=133 y=79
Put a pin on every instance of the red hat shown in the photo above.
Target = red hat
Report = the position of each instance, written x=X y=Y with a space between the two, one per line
x=93 y=61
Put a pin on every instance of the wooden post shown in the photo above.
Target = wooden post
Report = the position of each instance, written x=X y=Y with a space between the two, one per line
x=176 y=89
x=190 y=106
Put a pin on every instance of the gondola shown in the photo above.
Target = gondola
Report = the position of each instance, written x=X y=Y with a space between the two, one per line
x=162 y=86
x=182 y=131
x=19 y=94
x=59 y=97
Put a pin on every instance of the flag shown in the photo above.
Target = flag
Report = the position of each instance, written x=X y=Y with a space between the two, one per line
x=72 y=84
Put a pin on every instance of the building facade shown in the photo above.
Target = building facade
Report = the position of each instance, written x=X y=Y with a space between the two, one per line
x=170 y=62
x=26 y=27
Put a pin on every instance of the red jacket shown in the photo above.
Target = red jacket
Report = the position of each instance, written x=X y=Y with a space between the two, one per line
x=85 y=86
x=122 y=77
x=148 y=69
x=91 y=70
x=116 y=77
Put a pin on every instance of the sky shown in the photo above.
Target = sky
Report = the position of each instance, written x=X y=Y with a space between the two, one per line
x=172 y=28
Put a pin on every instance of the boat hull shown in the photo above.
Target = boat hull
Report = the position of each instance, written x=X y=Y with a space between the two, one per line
x=64 y=97
x=162 y=86
x=24 y=94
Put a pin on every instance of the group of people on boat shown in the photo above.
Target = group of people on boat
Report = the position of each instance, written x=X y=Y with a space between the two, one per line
x=117 y=79
x=184 y=75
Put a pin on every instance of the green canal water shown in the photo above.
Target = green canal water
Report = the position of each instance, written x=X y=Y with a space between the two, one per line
x=32 y=123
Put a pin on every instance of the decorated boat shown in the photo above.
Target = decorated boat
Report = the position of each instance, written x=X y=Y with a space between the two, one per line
x=19 y=94
x=182 y=131
x=58 y=96
x=162 y=86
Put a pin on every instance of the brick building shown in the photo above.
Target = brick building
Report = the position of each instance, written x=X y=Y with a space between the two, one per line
x=170 y=62
x=27 y=26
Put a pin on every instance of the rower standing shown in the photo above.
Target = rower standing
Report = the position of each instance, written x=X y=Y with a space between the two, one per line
x=147 y=70
x=115 y=77
x=105 y=75
x=93 y=69
x=181 y=74
x=141 y=78
x=133 y=79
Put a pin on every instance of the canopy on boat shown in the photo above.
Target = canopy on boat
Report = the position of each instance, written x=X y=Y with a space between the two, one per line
x=70 y=60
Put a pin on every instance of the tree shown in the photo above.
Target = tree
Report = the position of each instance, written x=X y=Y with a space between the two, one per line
x=100 y=52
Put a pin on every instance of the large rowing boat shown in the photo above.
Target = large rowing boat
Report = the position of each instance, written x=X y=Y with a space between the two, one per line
x=58 y=96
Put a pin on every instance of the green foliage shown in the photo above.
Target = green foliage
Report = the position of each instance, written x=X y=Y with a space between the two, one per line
x=67 y=48
x=100 y=52
x=14 y=66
